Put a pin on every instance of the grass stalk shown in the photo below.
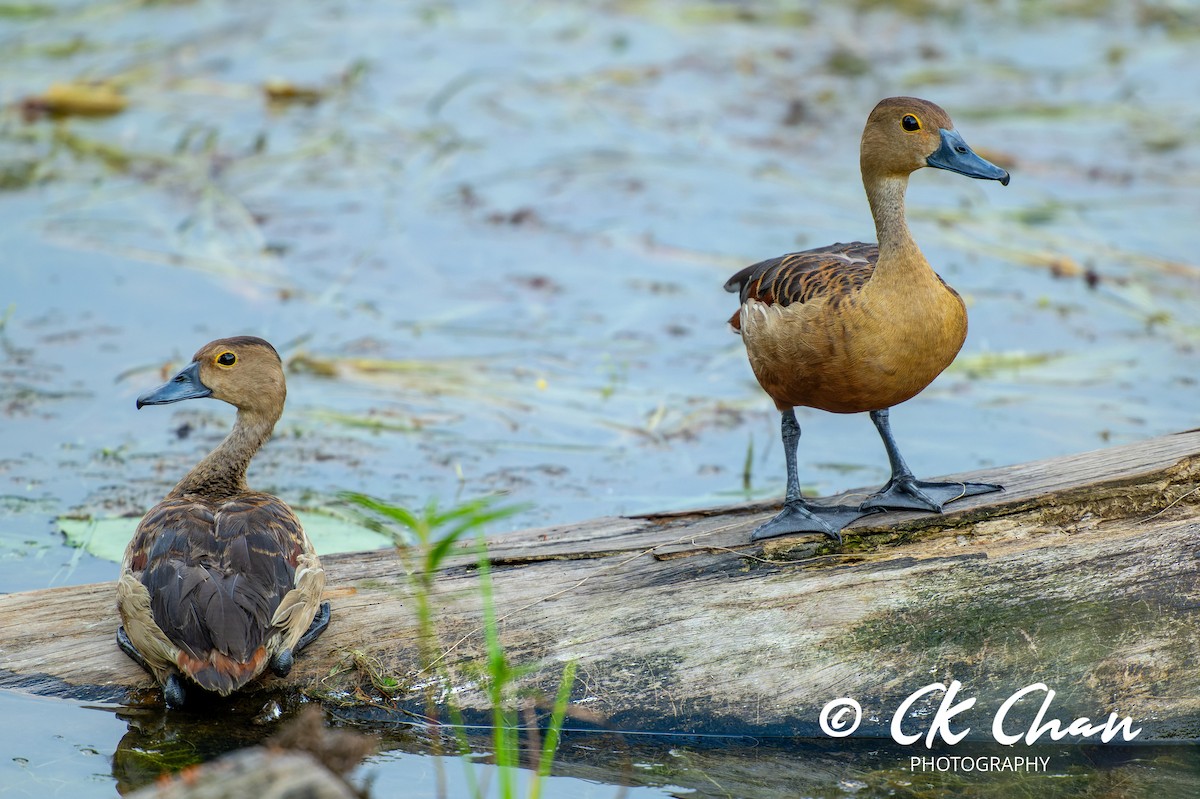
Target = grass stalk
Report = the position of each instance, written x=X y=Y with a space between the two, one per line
x=424 y=540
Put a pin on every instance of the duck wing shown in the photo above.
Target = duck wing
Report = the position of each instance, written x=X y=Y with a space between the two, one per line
x=835 y=271
x=216 y=577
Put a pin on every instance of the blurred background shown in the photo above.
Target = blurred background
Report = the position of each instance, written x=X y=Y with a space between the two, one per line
x=489 y=241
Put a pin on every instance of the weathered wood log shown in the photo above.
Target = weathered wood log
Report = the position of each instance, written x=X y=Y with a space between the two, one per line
x=1083 y=575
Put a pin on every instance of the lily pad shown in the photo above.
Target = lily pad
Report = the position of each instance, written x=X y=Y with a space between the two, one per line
x=107 y=536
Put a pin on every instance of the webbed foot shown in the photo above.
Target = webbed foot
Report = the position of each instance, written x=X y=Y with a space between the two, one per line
x=319 y=623
x=909 y=493
x=281 y=664
x=799 y=517
x=129 y=649
x=173 y=692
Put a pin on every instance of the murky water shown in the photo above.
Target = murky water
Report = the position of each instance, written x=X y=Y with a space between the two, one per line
x=492 y=254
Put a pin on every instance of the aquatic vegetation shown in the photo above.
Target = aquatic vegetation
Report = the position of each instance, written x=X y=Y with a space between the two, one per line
x=424 y=541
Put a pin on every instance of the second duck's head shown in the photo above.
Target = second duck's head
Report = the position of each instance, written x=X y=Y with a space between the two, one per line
x=244 y=371
x=904 y=134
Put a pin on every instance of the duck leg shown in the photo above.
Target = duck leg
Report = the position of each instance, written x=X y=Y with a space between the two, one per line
x=282 y=662
x=904 y=491
x=173 y=691
x=797 y=515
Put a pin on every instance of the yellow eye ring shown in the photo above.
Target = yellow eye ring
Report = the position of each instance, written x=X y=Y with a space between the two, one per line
x=225 y=359
x=910 y=123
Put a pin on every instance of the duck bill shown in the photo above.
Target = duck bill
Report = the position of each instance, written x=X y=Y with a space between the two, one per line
x=956 y=156
x=183 y=386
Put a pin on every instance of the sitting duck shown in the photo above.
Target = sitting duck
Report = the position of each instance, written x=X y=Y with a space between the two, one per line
x=220 y=582
x=852 y=328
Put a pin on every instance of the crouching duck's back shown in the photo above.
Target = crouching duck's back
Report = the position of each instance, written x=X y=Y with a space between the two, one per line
x=220 y=582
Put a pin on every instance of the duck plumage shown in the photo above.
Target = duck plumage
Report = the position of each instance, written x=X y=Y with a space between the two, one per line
x=796 y=315
x=857 y=327
x=221 y=582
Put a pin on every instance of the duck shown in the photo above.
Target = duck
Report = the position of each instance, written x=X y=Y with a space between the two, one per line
x=220 y=582
x=859 y=327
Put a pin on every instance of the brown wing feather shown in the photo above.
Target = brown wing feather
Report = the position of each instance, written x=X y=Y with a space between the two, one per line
x=836 y=271
x=215 y=579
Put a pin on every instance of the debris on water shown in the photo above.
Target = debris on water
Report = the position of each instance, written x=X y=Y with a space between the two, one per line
x=797 y=113
x=978 y=365
x=280 y=91
x=521 y=216
x=77 y=98
x=1065 y=266
x=270 y=713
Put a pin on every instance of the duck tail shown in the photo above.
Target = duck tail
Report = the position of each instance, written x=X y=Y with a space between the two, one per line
x=220 y=673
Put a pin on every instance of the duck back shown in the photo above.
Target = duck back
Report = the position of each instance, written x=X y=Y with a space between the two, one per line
x=216 y=573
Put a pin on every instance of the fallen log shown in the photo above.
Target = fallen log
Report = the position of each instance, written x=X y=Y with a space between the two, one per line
x=1081 y=576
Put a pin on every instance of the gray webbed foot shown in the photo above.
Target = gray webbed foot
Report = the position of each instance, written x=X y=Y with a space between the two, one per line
x=800 y=517
x=319 y=623
x=173 y=692
x=281 y=664
x=908 y=493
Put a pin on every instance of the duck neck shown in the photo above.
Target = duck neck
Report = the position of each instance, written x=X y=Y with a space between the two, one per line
x=897 y=249
x=222 y=472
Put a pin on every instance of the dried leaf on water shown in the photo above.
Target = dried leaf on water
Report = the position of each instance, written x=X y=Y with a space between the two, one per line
x=77 y=98
x=278 y=90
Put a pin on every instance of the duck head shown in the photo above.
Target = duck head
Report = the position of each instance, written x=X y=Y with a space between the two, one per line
x=904 y=134
x=244 y=371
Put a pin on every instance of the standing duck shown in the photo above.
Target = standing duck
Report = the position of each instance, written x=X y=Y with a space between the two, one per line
x=220 y=582
x=861 y=327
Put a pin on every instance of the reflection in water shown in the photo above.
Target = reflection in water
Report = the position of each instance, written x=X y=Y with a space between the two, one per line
x=159 y=741
x=79 y=749
x=703 y=767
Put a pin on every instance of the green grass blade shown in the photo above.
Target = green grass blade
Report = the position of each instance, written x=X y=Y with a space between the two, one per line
x=503 y=726
x=554 y=732
x=393 y=512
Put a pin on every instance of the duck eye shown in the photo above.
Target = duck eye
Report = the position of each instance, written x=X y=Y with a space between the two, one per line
x=226 y=359
x=910 y=123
